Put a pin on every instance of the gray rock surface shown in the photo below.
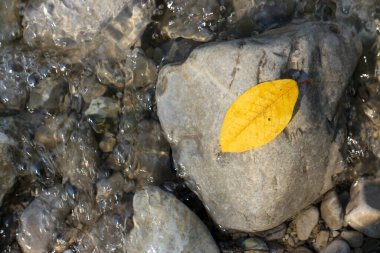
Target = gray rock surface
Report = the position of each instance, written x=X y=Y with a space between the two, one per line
x=354 y=238
x=163 y=224
x=337 y=246
x=8 y=172
x=363 y=210
x=331 y=211
x=321 y=240
x=305 y=222
x=43 y=220
x=302 y=250
x=258 y=189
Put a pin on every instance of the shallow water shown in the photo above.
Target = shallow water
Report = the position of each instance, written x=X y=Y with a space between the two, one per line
x=79 y=130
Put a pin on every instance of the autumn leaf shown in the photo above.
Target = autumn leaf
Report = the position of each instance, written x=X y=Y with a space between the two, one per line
x=259 y=115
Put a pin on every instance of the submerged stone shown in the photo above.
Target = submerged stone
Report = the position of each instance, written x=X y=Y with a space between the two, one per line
x=163 y=224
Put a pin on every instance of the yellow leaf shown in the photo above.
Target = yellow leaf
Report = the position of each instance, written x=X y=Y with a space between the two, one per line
x=259 y=115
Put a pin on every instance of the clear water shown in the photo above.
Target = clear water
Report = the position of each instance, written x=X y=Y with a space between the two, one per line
x=78 y=124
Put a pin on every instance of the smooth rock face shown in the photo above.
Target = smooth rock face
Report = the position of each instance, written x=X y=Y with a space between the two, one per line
x=321 y=240
x=305 y=222
x=354 y=238
x=164 y=224
x=8 y=172
x=337 y=246
x=302 y=250
x=258 y=189
x=363 y=210
x=331 y=211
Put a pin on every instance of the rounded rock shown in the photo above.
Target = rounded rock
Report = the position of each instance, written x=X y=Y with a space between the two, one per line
x=337 y=246
x=305 y=222
x=163 y=224
x=331 y=211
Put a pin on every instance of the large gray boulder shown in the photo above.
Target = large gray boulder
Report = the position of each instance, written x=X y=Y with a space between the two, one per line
x=163 y=224
x=259 y=189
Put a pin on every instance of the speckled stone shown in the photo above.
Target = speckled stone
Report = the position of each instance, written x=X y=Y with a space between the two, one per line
x=163 y=224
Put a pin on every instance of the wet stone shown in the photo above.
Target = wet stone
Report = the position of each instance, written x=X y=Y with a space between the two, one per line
x=248 y=16
x=337 y=246
x=321 y=240
x=42 y=220
x=164 y=224
x=107 y=143
x=47 y=95
x=8 y=172
x=305 y=222
x=103 y=113
x=9 y=20
x=302 y=250
x=78 y=158
x=276 y=233
x=254 y=244
x=110 y=191
x=354 y=238
x=332 y=211
x=363 y=210
x=89 y=89
x=109 y=232
x=190 y=19
x=142 y=154
x=52 y=22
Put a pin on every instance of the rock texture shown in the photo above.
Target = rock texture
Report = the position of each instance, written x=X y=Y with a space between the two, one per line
x=354 y=238
x=103 y=28
x=67 y=22
x=305 y=222
x=163 y=224
x=43 y=220
x=337 y=246
x=258 y=189
x=363 y=210
x=257 y=15
x=9 y=20
x=190 y=19
x=332 y=211
x=8 y=172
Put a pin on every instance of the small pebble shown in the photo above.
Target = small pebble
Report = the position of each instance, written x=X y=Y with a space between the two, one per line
x=107 y=143
x=276 y=233
x=363 y=210
x=302 y=250
x=335 y=233
x=321 y=240
x=254 y=244
x=354 y=238
x=305 y=222
x=337 y=246
x=331 y=211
